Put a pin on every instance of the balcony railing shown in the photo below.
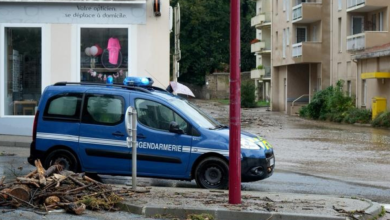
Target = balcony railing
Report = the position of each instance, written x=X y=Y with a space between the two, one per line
x=307 y=12
x=354 y=3
x=356 y=42
x=261 y=19
x=257 y=73
x=307 y=52
x=257 y=47
x=267 y=74
x=297 y=12
x=297 y=50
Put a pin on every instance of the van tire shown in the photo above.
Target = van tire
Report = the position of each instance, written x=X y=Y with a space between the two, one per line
x=212 y=173
x=63 y=157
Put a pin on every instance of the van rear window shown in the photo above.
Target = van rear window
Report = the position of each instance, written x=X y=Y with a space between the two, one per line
x=64 y=106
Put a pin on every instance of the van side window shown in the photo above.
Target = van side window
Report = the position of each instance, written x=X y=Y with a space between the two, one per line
x=63 y=107
x=103 y=109
x=158 y=116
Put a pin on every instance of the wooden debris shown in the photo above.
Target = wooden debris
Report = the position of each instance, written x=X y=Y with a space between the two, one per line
x=41 y=172
x=54 y=188
x=75 y=208
x=52 y=200
x=2 y=180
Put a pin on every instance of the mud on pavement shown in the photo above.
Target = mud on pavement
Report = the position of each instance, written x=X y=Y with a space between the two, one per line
x=358 y=154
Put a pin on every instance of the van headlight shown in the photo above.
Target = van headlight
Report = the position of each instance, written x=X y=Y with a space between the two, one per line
x=251 y=144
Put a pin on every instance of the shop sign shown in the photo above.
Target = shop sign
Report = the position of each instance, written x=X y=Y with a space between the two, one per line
x=80 y=13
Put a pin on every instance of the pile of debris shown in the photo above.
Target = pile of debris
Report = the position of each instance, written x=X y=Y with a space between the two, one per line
x=54 y=188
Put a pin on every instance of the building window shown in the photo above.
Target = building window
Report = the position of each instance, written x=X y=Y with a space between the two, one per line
x=104 y=54
x=381 y=21
x=349 y=88
x=276 y=40
x=373 y=22
x=288 y=10
x=314 y=33
x=288 y=36
x=319 y=84
x=301 y=34
x=340 y=36
x=23 y=70
x=364 y=92
x=357 y=25
x=284 y=43
x=340 y=5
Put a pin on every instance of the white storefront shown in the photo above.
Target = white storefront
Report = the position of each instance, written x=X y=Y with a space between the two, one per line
x=44 y=42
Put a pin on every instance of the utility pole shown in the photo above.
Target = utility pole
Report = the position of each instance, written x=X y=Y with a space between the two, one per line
x=235 y=106
x=177 y=53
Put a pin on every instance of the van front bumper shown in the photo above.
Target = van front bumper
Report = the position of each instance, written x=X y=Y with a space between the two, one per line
x=254 y=169
x=34 y=154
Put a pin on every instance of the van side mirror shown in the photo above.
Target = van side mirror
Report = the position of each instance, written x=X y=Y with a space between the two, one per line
x=174 y=128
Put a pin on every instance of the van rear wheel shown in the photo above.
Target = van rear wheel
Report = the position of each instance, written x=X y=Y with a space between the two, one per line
x=64 y=158
x=212 y=173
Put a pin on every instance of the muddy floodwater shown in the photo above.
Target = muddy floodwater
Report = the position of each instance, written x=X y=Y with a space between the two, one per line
x=351 y=153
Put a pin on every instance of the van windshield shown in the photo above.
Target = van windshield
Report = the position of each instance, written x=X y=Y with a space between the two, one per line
x=199 y=117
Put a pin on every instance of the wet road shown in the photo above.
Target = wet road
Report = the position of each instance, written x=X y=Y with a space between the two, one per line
x=281 y=181
x=311 y=157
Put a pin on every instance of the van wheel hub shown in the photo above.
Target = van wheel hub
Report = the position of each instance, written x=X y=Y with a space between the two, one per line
x=64 y=162
x=213 y=175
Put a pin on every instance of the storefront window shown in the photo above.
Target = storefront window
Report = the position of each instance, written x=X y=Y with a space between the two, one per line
x=104 y=54
x=23 y=70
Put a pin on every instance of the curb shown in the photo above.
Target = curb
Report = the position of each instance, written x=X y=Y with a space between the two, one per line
x=160 y=212
x=14 y=144
x=182 y=212
x=373 y=211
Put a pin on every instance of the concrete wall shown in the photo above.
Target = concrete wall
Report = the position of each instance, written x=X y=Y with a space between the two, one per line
x=278 y=89
x=218 y=85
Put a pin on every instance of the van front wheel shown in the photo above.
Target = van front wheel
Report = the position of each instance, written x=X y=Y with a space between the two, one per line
x=212 y=173
x=64 y=158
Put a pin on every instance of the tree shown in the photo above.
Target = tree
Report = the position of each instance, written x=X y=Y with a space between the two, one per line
x=205 y=37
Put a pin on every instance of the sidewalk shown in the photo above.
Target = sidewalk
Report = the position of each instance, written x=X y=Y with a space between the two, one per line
x=13 y=140
x=163 y=202
x=166 y=202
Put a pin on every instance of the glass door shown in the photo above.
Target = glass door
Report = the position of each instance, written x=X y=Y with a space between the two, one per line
x=23 y=70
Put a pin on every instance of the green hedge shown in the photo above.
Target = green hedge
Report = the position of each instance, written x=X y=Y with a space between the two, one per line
x=382 y=120
x=333 y=104
x=248 y=98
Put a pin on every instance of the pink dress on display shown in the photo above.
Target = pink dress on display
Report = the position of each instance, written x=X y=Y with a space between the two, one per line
x=113 y=48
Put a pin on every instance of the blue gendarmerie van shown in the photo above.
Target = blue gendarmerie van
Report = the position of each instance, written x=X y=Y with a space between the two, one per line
x=81 y=126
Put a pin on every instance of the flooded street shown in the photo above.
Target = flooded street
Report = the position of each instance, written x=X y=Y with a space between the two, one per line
x=358 y=155
x=312 y=157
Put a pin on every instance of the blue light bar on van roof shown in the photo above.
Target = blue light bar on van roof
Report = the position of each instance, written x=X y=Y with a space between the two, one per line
x=138 y=81
x=110 y=80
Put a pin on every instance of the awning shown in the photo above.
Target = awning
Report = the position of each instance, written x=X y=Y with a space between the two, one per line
x=376 y=75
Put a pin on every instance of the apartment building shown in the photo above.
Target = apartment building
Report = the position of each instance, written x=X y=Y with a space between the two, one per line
x=315 y=43
x=363 y=61
x=301 y=52
x=262 y=49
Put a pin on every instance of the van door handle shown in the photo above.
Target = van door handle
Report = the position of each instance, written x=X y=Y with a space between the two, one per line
x=118 y=134
x=141 y=136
